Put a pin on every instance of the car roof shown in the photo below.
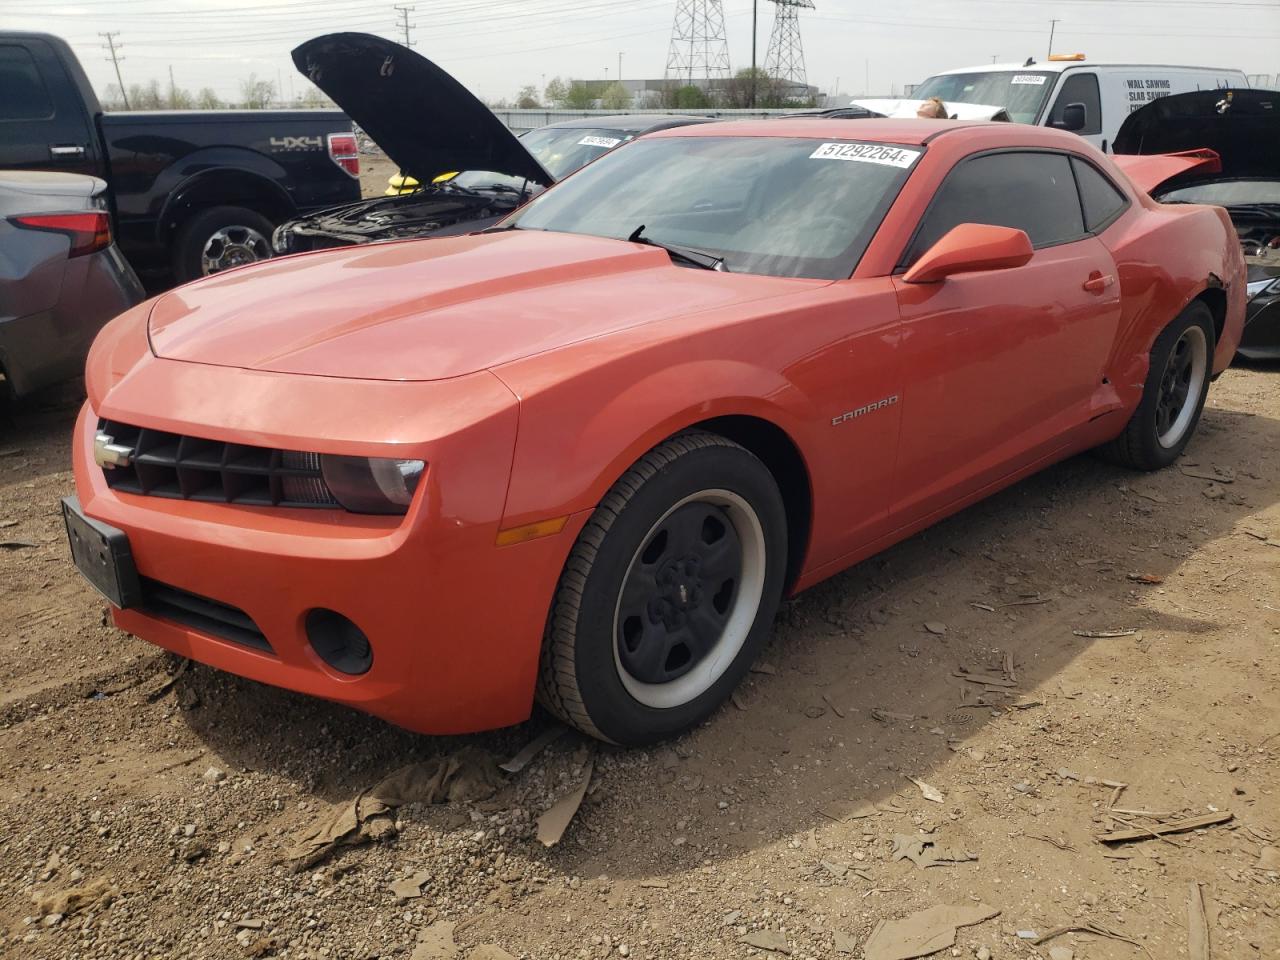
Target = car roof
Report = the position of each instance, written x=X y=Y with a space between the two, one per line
x=1059 y=66
x=633 y=122
x=909 y=132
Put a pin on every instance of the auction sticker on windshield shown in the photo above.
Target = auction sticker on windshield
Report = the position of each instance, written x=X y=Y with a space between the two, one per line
x=867 y=153
x=607 y=142
x=1034 y=79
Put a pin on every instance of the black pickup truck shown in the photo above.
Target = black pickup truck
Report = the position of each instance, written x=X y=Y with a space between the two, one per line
x=192 y=192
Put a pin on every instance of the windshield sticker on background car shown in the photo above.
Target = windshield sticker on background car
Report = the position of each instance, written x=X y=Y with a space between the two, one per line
x=607 y=142
x=867 y=153
x=1035 y=79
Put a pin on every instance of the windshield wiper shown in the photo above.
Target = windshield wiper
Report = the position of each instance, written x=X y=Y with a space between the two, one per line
x=502 y=229
x=697 y=258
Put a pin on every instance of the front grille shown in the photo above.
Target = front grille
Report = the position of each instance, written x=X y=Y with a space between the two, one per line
x=200 y=613
x=191 y=468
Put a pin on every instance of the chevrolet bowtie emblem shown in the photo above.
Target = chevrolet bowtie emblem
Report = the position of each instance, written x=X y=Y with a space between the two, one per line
x=108 y=454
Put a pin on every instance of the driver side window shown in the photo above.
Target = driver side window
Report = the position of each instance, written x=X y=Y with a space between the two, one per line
x=1034 y=192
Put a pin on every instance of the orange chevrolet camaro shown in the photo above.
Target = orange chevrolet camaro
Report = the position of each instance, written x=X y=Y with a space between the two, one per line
x=581 y=456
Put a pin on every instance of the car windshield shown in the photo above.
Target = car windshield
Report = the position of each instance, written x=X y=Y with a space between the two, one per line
x=562 y=150
x=1021 y=94
x=1225 y=193
x=785 y=207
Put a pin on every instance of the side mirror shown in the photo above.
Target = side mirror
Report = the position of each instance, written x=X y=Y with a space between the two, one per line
x=970 y=248
x=1075 y=117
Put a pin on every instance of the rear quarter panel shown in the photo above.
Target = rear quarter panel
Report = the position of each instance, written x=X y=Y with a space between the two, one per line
x=1167 y=256
x=154 y=156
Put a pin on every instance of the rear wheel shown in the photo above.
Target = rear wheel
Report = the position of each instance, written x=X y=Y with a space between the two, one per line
x=668 y=594
x=219 y=238
x=1174 y=395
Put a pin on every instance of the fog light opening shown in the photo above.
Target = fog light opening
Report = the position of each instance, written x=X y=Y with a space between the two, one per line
x=339 y=642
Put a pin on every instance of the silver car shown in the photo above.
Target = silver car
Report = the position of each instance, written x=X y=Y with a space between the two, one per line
x=61 y=276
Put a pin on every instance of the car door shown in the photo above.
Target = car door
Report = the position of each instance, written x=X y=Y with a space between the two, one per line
x=1080 y=87
x=998 y=365
x=43 y=124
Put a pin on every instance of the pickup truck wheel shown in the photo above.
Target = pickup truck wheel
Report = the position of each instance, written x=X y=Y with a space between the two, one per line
x=219 y=238
x=668 y=594
x=1174 y=395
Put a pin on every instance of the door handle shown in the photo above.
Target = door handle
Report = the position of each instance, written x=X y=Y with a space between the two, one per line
x=1097 y=283
x=67 y=152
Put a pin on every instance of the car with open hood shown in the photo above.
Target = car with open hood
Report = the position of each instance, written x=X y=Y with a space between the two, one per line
x=1242 y=129
x=584 y=454
x=474 y=170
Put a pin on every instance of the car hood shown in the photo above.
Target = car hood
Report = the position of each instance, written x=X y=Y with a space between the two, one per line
x=1241 y=126
x=434 y=309
x=423 y=119
x=906 y=109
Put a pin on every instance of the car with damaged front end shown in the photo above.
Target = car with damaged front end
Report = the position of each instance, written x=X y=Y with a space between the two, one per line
x=1242 y=129
x=583 y=456
x=474 y=171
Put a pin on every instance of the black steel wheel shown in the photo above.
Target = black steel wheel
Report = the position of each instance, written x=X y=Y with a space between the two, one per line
x=668 y=594
x=1174 y=395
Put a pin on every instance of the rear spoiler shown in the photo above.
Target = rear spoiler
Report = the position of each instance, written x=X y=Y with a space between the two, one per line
x=1150 y=171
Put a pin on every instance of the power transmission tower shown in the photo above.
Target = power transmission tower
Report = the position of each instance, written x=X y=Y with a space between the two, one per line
x=404 y=22
x=785 y=59
x=698 y=45
x=115 y=59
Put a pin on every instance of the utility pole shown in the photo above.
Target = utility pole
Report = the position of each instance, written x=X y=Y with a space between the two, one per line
x=115 y=59
x=619 y=66
x=1053 y=26
x=404 y=22
x=173 y=89
x=755 y=14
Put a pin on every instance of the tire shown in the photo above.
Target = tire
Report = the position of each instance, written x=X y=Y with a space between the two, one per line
x=668 y=594
x=1174 y=394
x=219 y=238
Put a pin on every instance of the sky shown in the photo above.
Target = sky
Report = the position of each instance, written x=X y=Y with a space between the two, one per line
x=497 y=46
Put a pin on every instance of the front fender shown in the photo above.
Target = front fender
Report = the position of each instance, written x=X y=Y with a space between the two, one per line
x=570 y=452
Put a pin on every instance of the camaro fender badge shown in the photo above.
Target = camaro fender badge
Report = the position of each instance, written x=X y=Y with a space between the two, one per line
x=108 y=454
x=863 y=411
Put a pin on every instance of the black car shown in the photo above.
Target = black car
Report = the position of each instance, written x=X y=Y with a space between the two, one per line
x=474 y=169
x=191 y=192
x=1243 y=128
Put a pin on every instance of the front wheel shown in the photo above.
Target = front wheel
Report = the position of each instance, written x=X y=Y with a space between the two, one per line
x=219 y=238
x=1174 y=395
x=668 y=594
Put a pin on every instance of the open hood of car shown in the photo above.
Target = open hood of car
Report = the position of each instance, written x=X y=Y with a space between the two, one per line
x=425 y=120
x=1241 y=126
x=906 y=109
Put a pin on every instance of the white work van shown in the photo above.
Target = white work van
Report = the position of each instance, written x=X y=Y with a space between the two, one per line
x=1070 y=93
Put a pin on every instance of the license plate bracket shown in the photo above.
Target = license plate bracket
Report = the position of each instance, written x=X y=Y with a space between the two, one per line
x=102 y=555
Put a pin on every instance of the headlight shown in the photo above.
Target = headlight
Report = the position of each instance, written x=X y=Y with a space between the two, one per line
x=371 y=484
x=1259 y=287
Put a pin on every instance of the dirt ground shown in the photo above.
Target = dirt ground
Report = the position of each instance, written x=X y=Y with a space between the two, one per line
x=375 y=169
x=168 y=802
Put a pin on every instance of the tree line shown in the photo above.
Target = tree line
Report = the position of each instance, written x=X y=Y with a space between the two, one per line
x=734 y=93
x=255 y=94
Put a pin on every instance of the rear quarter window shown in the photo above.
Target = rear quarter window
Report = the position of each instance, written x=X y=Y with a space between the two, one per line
x=1102 y=200
x=23 y=95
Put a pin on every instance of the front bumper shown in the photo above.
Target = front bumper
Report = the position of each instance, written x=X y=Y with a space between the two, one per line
x=454 y=621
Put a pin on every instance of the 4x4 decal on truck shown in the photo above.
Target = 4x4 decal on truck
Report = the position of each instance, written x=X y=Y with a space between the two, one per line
x=297 y=143
x=862 y=411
